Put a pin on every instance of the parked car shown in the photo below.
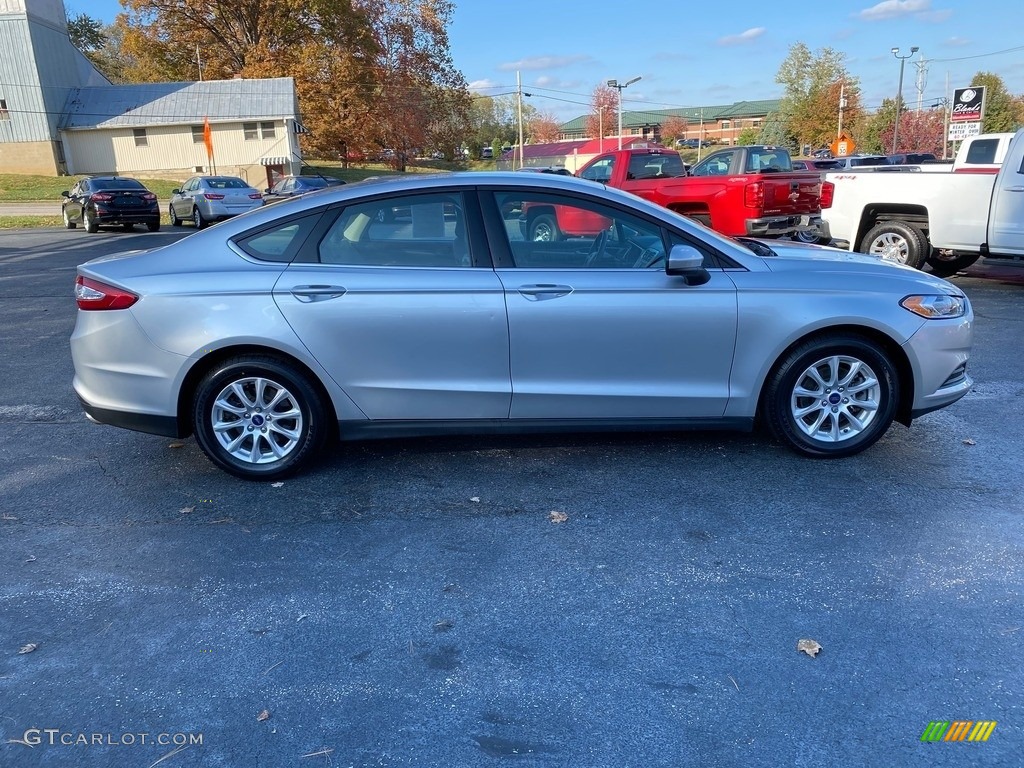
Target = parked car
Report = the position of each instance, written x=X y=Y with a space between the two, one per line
x=822 y=154
x=102 y=200
x=912 y=158
x=816 y=165
x=324 y=320
x=547 y=169
x=860 y=161
x=203 y=199
x=290 y=186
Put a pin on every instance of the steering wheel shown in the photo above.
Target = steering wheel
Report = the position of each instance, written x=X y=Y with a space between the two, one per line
x=649 y=258
x=596 y=249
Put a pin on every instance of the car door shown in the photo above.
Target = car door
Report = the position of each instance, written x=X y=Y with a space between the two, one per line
x=398 y=302
x=73 y=203
x=182 y=202
x=598 y=330
x=1006 y=221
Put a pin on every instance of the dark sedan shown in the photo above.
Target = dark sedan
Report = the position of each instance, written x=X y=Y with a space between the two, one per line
x=103 y=200
x=291 y=186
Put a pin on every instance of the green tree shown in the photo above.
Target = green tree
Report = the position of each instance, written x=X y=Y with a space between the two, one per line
x=876 y=127
x=749 y=136
x=86 y=33
x=1000 y=110
x=814 y=81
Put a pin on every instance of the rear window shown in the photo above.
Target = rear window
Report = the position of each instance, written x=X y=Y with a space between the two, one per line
x=116 y=184
x=768 y=161
x=312 y=183
x=856 y=161
x=228 y=183
x=982 y=151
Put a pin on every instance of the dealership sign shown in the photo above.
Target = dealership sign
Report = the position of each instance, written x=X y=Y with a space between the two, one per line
x=961 y=131
x=968 y=105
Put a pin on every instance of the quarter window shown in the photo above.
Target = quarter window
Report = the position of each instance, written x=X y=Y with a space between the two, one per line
x=415 y=231
x=281 y=243
x=4 y=113
x=550 y=232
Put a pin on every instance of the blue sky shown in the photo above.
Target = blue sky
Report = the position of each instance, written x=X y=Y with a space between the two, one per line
x=708 y=53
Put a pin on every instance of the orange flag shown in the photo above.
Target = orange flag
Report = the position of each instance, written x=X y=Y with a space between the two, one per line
x=208 y=139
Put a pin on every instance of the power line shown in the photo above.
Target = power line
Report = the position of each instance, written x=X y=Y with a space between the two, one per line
x=983 y=55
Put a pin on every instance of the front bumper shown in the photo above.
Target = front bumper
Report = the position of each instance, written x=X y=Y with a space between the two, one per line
x=938 y=354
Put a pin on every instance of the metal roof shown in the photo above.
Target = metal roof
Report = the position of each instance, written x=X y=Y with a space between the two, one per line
x=637 y=118
x=145 y=104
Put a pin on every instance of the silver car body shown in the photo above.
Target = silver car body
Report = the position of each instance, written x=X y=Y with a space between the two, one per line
x=484 y=344
x=216 y=197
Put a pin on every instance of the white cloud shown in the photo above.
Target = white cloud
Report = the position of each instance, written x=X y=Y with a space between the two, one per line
x=482 y=85
x=895 y=9
x=747 y=36
x=957 y=42
x=543 y=62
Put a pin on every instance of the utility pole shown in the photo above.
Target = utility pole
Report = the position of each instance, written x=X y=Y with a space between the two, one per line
x=621 y=87
x=899 y=94
x=199 y=62
x=922 y=79
x=842 y=106
x=519 y=92
x=700 y=135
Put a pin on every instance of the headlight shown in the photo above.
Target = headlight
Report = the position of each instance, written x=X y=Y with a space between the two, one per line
x=933 y=307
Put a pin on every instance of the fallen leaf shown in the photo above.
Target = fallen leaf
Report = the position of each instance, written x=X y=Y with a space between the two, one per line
x=186 y=510
x=557 y=517
x=176 y=445
x=443 y=625
x=810 y=647
x=31 y=559
x=324 y=751
x=28 y=648
x=264 y=715
x=733 y=679
x=276 y=485
x=7 y=516
x=969 y=441
x=475 y=499
x=301 y=617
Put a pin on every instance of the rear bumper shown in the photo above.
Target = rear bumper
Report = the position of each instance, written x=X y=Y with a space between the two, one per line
x=138 y=422
x=772 y=226
x=113 y=216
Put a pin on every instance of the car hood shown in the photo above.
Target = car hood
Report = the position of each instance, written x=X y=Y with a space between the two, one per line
x=792 y=256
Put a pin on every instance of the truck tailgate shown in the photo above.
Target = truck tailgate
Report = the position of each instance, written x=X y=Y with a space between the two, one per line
x=789 y=194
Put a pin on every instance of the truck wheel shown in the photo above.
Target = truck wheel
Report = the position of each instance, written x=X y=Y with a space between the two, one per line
x=812 y=237
x=832 y=396
x=947 y=266
x=896 y=241
x=700 y=218
x=545 y=229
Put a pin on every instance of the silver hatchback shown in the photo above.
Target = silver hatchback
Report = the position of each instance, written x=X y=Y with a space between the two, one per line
x=205 y=199
x=416 y=305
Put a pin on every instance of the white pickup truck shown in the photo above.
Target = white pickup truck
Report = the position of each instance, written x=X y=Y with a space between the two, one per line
x=948 y=220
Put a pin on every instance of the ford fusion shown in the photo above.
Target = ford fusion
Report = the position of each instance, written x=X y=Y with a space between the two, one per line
x=410 y=306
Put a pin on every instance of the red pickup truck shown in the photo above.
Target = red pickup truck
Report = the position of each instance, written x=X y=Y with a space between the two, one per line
x=749 y=191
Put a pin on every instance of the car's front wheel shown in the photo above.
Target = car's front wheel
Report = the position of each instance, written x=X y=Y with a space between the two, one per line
x=175 y=221
x=544 y=228
x=258 y=417
x=68 y=223
x=832 y=396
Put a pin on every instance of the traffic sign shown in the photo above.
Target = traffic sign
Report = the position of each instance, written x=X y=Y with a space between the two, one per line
x=842 y=146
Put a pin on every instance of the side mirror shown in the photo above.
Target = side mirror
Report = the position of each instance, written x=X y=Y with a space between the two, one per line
x=266 y=191
x=687 y=262
x=65 y=193
x=175 y=191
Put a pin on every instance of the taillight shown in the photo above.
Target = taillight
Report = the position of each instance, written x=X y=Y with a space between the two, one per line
x=753 y=195
x=148 y=197
x=101 y=197
x=211 y=196
x=256 y=196
x=828 y=190
x=92 y=294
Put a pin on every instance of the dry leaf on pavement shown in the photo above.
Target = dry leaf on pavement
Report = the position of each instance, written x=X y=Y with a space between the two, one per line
x=28 y=648
x=186 y=510
x=810 y=647
x=264 y=715
x=475 y=499
x=969 y=441
x=276 y=485
x=176 y=445
x=557 y=517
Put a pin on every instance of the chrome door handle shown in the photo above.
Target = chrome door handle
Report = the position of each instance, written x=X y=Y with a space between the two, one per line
x=542 y=291
x=308 y=293
x=1015 y=189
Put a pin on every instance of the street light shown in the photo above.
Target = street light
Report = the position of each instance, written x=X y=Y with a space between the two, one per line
x=620 y=86
x=899 y=93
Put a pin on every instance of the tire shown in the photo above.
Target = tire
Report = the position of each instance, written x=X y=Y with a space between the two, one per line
x=153 y=226
x=544 y=228
x=896 y=241
x=128 y=227
x=89 y=219
x=246 y=447
x=811 y=237
x=941 y=266
x=68 y=224
x=700 y=218
x=197 y=218
x=175 y=221
x=820 y=417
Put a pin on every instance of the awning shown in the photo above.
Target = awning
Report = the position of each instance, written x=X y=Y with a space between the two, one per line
x=275 y=160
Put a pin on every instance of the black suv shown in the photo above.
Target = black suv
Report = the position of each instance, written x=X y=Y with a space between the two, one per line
x=100 y=200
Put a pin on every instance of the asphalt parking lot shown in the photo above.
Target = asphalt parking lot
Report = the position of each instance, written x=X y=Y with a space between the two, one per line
x=411 y=603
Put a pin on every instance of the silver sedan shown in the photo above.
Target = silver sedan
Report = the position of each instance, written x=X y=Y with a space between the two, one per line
x=205 y=199
x=417 y=305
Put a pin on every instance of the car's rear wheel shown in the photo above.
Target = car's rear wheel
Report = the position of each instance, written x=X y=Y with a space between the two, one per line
x=832 y=396
x=175 y=221
x=68 y=223
x=91 y=224
x=258 y=417
x=545 y=229
x=197 y=218
x=153 y=226
x=127 y=227
x=896 y=241
x=811 y=236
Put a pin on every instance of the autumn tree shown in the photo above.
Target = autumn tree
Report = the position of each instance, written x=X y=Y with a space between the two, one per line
x=872 y=138
x=1000 y=111
x=674 y=127
x=919 y=132
x=813 y=82
x=604 y=104
x=544 y=128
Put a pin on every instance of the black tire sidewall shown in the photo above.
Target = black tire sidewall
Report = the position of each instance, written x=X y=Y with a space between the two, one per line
x=552 y=224
x=917 y=244
x=314 y=427
x=783 y=380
